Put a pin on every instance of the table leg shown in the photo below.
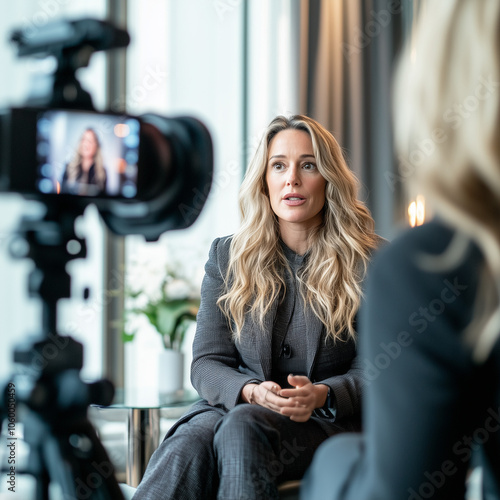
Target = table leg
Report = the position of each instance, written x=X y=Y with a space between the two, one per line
x=143 y=439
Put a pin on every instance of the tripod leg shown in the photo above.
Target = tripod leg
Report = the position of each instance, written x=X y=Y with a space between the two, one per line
x=79 y=464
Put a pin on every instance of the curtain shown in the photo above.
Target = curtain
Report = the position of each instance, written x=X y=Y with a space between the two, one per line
x=350 y=48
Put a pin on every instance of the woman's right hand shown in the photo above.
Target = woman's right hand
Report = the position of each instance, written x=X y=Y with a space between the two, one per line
x=264 y=394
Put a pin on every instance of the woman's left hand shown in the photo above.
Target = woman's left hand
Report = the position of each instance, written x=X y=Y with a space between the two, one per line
x=304 y=397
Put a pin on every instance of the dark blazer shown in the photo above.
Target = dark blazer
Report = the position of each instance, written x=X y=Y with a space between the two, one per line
x=79 y=188
x=427 y=405
x=221 y=367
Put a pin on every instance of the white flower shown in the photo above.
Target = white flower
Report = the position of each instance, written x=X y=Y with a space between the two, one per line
x=177 y=289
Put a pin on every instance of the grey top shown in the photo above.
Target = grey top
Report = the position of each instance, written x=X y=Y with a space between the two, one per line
x=289 y=344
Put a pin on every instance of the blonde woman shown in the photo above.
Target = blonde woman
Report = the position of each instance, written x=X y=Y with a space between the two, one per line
x=274 y=352
x=429 y=331
x=85 y=173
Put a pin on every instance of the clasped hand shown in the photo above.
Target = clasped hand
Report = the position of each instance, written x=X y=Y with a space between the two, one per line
x=298 y=402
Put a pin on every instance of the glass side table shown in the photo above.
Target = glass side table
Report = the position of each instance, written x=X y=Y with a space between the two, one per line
x=144 y=410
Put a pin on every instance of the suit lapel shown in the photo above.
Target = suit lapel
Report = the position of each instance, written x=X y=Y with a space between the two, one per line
x=314 y=329
x=264 y=343
x=255 y=345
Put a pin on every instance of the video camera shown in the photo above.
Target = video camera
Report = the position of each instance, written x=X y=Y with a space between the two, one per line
x=146 y=175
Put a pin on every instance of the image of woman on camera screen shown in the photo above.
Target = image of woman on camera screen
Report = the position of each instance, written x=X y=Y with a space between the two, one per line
x=85 y=174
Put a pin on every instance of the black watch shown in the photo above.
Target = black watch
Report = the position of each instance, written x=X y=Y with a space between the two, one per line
x=330 y=400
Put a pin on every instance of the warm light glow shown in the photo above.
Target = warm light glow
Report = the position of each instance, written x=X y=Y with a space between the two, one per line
x=416 y=211
x=420 y=210
x=121 y=165
x=121 y=130
x=58 y=187
x=412 y=213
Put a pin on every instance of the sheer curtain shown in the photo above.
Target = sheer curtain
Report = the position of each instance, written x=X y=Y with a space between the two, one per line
x=351 y=49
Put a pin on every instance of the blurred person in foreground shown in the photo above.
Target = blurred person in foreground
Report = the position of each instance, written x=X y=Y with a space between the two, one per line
x=274 y=355
x=430 y=326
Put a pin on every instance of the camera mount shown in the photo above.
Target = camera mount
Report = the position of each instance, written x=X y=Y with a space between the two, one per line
x=72 y=44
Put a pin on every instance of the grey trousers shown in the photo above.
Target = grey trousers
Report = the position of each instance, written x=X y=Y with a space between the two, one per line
x=243 y=454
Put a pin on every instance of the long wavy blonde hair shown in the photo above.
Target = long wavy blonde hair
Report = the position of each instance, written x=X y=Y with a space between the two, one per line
x=447 y=112
x=74 y=165
x=339 y=249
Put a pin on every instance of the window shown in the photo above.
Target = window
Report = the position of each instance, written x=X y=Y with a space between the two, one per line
x=184 y=64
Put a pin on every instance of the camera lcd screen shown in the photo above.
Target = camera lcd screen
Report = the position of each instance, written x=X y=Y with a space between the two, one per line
x=87 y=154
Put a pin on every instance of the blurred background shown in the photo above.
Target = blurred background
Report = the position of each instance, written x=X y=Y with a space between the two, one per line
x=234 y=64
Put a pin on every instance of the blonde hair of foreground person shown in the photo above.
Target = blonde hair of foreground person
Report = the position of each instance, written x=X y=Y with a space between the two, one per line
x=456 y=114
x=338 y=252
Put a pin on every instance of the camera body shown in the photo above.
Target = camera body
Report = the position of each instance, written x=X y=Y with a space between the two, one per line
x=146 y=175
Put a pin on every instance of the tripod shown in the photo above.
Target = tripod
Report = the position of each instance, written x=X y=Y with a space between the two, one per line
x=48 y=390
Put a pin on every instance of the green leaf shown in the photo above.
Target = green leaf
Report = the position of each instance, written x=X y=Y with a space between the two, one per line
x=127 y=337
x=169 y=317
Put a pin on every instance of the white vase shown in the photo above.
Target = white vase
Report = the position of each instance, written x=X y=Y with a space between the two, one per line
x=170 y=372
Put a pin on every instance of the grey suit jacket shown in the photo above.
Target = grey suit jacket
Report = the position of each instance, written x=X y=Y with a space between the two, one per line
x=221 y=367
